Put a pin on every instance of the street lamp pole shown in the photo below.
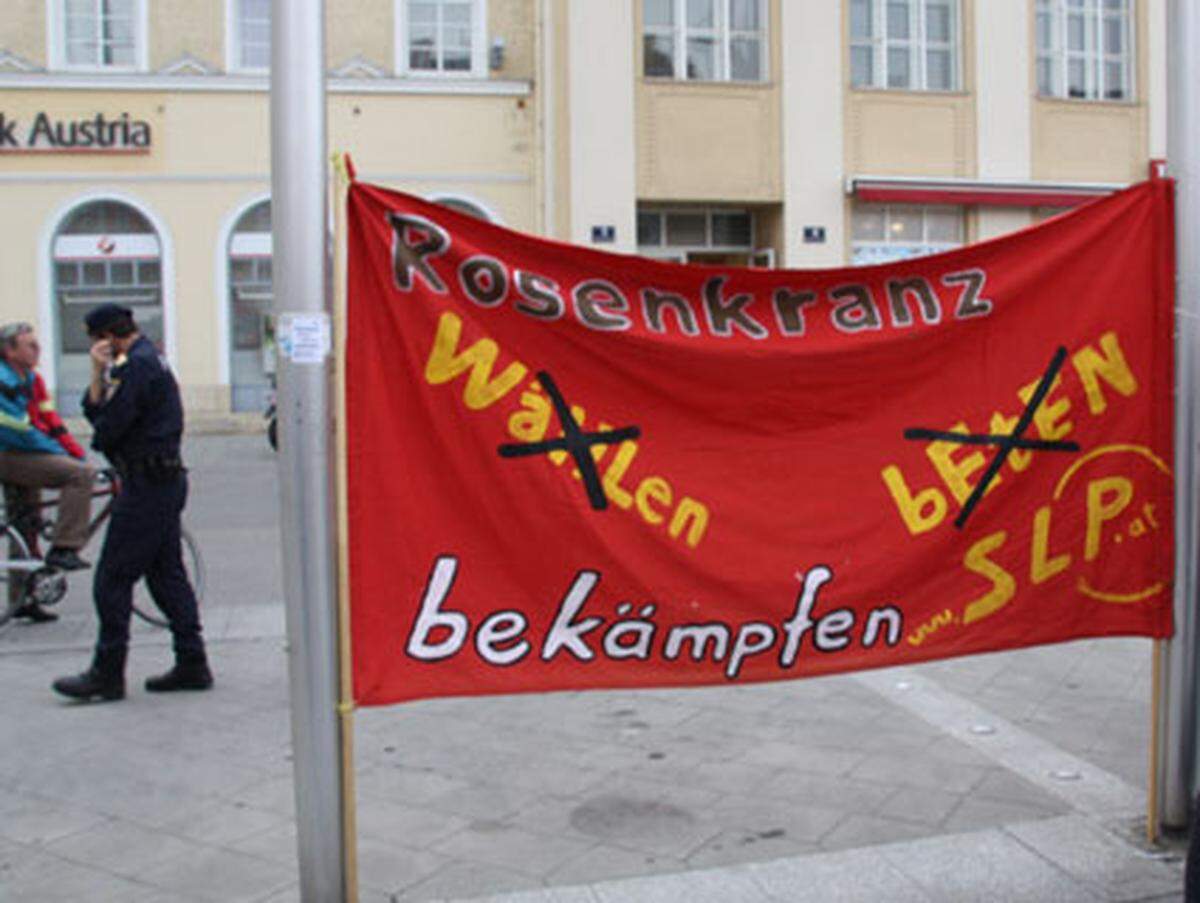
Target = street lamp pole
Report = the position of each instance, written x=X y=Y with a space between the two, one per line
x=306 y=437
x=1178 y=711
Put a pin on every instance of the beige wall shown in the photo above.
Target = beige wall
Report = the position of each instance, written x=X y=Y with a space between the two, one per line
x=23 y=29
x=558 y=123
x=211 y=158
x=582 y=147
x=1098 y=141
x=709 y=141
x=919 y=133
x=365 y=28
x=516 y=22
x=179 y=27
x=354 y=28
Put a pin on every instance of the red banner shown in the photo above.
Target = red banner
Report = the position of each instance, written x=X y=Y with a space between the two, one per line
x=573 y=469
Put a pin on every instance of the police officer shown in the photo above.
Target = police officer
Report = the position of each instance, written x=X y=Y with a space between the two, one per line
x=134 y=406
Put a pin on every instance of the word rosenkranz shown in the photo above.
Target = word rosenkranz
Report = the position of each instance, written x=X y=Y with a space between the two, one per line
x=499 y=639
x=597 y=303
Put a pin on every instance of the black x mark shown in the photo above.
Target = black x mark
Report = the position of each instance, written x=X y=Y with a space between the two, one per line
x=1006 y=443
x=575 y=441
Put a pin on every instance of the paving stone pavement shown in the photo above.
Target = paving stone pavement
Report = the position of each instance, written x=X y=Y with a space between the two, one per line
x=932 y=783
x=847 y=788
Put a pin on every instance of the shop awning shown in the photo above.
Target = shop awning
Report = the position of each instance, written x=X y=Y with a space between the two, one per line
x=993 y=193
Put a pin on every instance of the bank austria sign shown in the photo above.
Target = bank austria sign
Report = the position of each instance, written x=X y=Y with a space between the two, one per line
x=97 y=134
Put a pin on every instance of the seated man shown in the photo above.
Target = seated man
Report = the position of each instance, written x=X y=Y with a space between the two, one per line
x=36 y=452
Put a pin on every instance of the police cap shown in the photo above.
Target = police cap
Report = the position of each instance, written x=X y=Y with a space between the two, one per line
x=101 y=318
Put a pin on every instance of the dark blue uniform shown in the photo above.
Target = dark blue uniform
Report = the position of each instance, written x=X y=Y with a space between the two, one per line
x=138 y=428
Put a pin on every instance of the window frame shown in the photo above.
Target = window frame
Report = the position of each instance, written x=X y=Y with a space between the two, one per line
x=722 y=32
x=234 y=45
x=929 y=246
x=1095 y=59
x=918 y=44
x=479 y=48
x=56 y=40
x=677 y=252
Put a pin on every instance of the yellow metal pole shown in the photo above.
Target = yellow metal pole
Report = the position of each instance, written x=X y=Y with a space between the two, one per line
x=341 y=189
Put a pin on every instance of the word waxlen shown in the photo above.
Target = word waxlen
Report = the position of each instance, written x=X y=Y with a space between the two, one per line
x=652 y=497
x=500 y=638
x=599 y=304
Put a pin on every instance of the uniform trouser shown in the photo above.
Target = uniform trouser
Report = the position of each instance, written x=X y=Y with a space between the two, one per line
x=143 y=540
x=32 y=471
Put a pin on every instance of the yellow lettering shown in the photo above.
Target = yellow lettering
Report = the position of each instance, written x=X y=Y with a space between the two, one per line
x=921 y=512
x=955 y=473
x=1090 y=365
x=1138 y=528
x=1106 y=498
x=689 y=510
x=1004 y=587
x=530 y=422
x=652 y=489
x=445 y=363
x=1049 y=413
x=1042 y=567
x=612 y=477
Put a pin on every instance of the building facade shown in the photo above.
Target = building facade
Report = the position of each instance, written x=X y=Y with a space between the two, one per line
x=135 y=139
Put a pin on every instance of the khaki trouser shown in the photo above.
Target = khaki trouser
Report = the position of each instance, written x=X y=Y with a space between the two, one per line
x=32 y=471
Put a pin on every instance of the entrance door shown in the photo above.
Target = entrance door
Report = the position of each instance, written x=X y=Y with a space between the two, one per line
x=104 y=251
x=251 y=295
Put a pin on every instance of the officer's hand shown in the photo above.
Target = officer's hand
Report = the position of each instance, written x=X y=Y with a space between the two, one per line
x=102 y=355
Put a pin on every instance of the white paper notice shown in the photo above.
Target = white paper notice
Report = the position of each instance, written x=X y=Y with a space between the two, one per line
x=305 y=338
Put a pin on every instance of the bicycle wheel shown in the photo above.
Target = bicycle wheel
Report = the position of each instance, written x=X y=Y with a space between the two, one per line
x=193 y=565
x=17 y=565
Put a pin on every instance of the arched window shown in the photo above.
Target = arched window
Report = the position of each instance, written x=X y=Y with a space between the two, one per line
x=104 y=251
x=251 y=293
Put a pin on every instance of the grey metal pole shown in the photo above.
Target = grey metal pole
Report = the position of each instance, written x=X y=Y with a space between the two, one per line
x=306 y=437
x=1178 y=705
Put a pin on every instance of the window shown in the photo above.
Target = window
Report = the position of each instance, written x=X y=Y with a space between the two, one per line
x=441 y=37
x=98 y=34
x=251 y=296
x=695 y=234
x=882 y=233
x=250 y=35
x=1085 y=49
x=102 y=251
x=904 y=44
x=705 y=40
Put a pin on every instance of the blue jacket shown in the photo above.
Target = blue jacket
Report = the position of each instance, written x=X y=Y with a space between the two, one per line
x=144 y=415
x=17 y=432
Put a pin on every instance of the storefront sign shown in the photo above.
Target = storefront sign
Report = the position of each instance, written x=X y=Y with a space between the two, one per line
x=571 y=469
x=96 y=134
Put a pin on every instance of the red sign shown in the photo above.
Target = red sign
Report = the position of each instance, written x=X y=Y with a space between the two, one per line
x=573 y=469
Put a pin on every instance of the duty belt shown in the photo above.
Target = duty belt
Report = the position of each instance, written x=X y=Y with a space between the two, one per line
x=153 y=467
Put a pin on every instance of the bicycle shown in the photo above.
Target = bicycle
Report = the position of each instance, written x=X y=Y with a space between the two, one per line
x=24 y=576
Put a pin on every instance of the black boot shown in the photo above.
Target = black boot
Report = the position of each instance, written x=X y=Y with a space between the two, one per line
x=190 y=673
x=105 y=679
